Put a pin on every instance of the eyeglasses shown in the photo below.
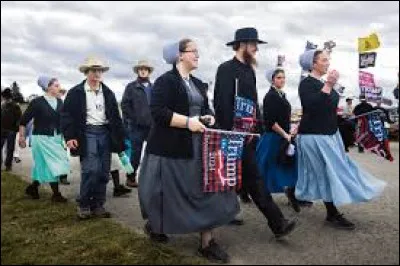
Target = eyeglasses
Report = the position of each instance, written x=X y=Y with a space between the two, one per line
x=196 y=52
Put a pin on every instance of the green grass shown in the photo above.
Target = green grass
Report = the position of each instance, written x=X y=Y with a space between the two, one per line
x=42 y=232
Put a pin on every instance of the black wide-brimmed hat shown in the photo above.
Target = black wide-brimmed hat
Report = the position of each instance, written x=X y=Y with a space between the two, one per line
x=6 y=93
x=246 y=35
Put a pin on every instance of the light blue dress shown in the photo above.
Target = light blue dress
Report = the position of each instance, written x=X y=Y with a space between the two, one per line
x=326 y=172
x=50 y=159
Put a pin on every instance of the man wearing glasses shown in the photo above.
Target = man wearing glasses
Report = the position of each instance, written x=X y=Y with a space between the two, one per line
x=92 y=126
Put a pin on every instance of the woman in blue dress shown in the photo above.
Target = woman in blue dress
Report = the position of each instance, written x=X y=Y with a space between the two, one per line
x=50 y=159
x=325 y=171
x=278 y=176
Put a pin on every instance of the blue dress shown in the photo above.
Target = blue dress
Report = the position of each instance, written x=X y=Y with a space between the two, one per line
x=50 y=159
x=276 y=109
x=276 y=177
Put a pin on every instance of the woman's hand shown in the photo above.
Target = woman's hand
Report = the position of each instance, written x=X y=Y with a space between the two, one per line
x=72 y=144
x=209 y=120
x=332 y=78
x=195 y=125
x=22 y=142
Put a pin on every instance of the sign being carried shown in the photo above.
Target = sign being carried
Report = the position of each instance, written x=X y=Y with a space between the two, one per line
x=367 y=60
x=366 y=44
x=222 y=161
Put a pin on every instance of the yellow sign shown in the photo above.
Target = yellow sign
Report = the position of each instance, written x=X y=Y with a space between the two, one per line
x=368 y=43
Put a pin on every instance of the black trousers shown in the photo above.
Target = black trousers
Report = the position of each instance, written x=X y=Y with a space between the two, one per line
x=253 y=184
x=9 y=138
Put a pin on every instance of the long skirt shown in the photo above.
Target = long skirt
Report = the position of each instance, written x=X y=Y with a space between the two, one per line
x=326 y=172
x=50 y=159
x=276 y=176
x=172 y=198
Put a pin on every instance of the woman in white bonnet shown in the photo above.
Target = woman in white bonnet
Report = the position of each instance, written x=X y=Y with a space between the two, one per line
x=325 y=170
x=49 y=156
x=171 y=192
x=278 y=176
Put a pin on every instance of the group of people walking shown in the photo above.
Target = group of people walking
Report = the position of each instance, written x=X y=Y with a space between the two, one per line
x=171 y=115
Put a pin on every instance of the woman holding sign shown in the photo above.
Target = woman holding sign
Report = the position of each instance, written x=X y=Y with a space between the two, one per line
x=325 y=172
x=170 y=192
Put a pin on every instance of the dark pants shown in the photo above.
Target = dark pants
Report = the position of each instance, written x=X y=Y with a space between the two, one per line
x=95 y=168
x=137 y=136
x=8 y=137
x=253 y=184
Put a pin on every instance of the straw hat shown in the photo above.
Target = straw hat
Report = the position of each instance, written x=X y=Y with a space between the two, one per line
x=143 y=64
x=92 y=62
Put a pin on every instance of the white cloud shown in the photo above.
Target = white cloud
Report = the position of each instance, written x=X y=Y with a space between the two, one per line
x=54 y=37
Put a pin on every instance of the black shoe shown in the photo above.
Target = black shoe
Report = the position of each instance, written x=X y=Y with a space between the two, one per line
x=121 y=190
x=17 y=160
x=58 y=198
x=304 y=203
x=8 y=168
x=338 y=221
x=160 y=238
x=101 y=213
x=289 y=192
x=245 y=198
x=214 y=253
x=236 y=221
x=286 y=228
x=64 y=181
x=32 y=191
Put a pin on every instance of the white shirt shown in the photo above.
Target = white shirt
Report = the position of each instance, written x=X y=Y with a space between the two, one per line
x=348 y=111
x=95 y=107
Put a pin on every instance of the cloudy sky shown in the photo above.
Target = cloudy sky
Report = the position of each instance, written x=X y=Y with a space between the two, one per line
x=54 y=38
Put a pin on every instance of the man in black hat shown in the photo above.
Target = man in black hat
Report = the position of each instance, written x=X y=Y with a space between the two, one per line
x=10 y=115
x=236 y=77
x=362 y=108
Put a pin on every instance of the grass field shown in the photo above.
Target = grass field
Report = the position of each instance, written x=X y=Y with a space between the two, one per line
x=42 y=232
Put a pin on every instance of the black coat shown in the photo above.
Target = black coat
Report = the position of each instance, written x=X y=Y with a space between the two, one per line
x=169 y=96
x=46 y=120
x=73 y=119
x=276 y=109
x=319 y=109
x=224 y=91
x=10 y=117
x=135 y=106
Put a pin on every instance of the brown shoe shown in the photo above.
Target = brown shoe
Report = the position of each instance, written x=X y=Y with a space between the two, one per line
x=131 y=183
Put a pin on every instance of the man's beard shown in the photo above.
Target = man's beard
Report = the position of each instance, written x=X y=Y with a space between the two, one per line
x=249 y=59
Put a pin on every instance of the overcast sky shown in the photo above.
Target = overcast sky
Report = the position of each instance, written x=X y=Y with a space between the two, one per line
x=53 y=38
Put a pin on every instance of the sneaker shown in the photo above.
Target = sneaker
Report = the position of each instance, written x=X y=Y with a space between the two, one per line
x=32 y=191
x=338 y=221
x=84 y=213
x=160 y=238
x=286 y=228
x=214 y=253
x=17 y=160
x=121 y=190
x=101 y=213
x=58 y=198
